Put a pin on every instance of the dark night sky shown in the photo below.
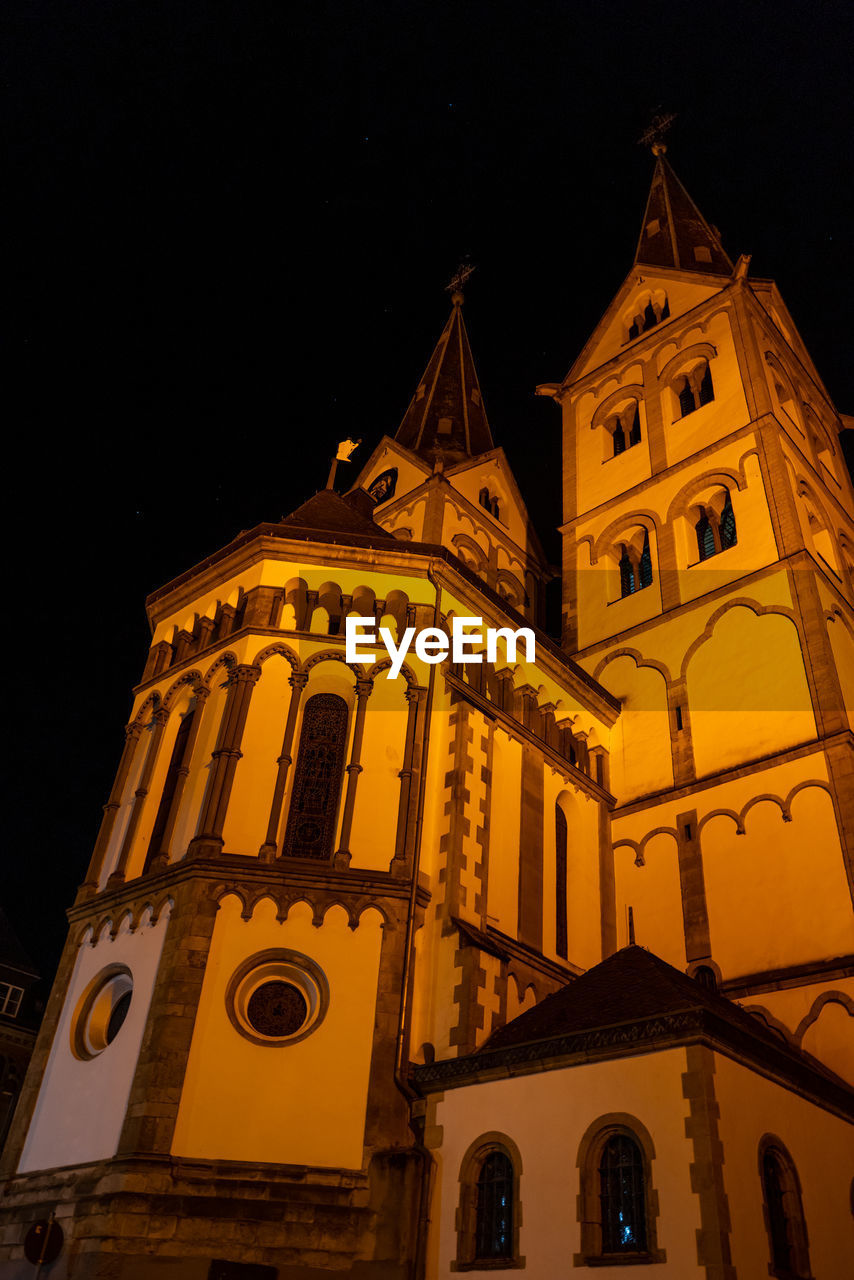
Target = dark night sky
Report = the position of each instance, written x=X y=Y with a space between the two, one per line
x=229 y=227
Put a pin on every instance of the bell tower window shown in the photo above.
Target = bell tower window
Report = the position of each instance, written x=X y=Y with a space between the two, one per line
x=694 y=389
x=624 y=428
x=648 y=310
x=627 y=574
x=714 y=525
x=635 y=564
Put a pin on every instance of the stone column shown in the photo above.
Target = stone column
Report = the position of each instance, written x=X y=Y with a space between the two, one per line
x=208 y=838
x=269 y=848
x=160 y=717
x=155 y=1094
x=354 y=768
x=161 y=859
x=111 y=808
x=405 y=834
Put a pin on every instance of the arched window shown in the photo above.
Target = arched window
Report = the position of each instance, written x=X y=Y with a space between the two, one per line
x=648 y=311
x=560 y=879
x=627 y=574
x=624 y=428
x=694 y=388
x=176 y=764
x=705 y=975
x=621 y=1180
x=726 y=525
x=635 y=564
x=635 y=430
x=784 y=1215
x=705 y=536
x=617 y=1207
x=488 y=1218
x=494 y=1212
x=645 y=565
x=317 y=779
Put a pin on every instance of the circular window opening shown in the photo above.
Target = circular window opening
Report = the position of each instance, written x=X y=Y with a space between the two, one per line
x=101 y=1012
x=277 y=1009
x=277 y=997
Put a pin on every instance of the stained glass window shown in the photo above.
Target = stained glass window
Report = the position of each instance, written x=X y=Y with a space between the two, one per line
x=494 y=1211
x=621 y=1193
x=317 y=779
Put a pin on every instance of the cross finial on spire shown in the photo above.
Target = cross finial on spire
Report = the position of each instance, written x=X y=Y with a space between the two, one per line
x=656 y=131
x=455 y=285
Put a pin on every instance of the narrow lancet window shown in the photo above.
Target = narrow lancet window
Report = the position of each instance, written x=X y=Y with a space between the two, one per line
x=560 y=881
x=727 y=525
x=705 y=537
x=627 y=574
x=176 y=764
x=317 y=779
x=635 y=430
x=645 y=566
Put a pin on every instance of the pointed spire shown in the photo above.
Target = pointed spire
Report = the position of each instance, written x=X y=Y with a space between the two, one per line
x=674 y=232
x=446 y=415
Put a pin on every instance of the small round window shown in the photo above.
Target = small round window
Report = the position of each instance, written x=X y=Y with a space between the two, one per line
x=101 y=1012
x=277 y=997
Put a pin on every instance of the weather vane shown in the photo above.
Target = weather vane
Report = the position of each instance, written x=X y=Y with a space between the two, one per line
x=460 y=276
x=656 y=132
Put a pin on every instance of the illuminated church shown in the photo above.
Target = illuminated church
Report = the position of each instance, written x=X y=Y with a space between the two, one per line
x=539 y=965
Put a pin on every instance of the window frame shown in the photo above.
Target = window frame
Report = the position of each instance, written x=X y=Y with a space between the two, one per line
x=466 y=1218
x=589 y=1204
x=793 y=1207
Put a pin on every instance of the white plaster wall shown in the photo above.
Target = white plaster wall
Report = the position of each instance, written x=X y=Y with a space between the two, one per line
x=546 y=1115
x=81 y=1105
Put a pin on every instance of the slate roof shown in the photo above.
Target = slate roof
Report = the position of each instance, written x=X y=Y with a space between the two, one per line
x=446 y=414
x=681 y=229
x=329 y=512
x=631 y=984
x=635 y=1003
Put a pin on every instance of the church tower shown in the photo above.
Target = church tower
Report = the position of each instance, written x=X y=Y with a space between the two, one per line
x=313 y=873
x=708 y=584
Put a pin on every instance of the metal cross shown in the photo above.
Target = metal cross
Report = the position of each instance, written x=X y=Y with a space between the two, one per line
x=464 y=270
x=656 y=131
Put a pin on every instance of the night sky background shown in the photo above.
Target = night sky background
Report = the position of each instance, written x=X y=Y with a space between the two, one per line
x=228 y=230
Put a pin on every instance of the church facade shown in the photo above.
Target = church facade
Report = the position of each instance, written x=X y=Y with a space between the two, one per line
x=533 y=962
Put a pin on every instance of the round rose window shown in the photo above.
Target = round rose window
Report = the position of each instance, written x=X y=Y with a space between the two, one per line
x=277 y=997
